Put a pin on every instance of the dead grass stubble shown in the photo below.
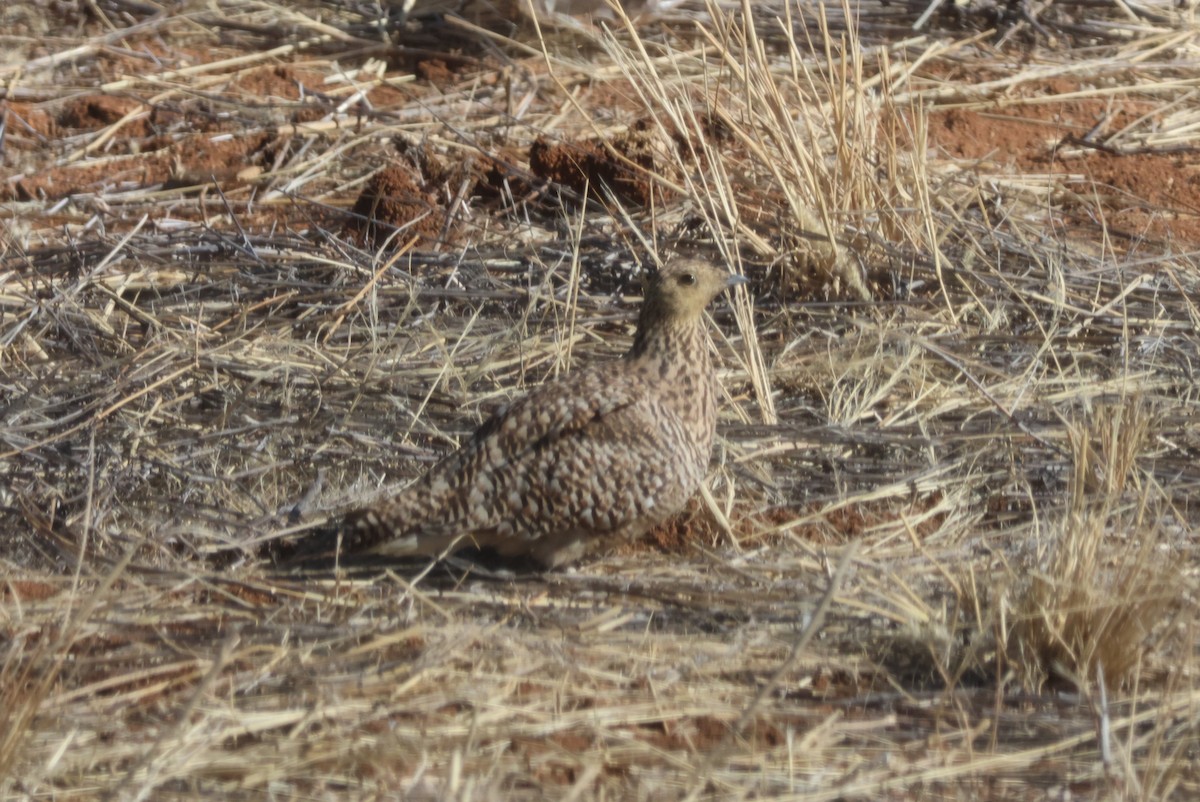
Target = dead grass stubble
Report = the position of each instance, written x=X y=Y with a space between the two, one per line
x=1106 y=584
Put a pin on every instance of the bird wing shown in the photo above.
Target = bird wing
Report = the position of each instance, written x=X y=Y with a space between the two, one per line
x=467 y=492
x=554 y=411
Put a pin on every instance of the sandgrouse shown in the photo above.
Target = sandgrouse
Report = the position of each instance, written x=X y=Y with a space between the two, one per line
x=594 y=459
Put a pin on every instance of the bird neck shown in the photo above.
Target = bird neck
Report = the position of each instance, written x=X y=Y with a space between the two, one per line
x=673 y=354
x=675 y=340
x=658 y=334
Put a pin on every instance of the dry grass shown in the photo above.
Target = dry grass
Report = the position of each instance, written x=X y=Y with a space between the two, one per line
x=948 y=548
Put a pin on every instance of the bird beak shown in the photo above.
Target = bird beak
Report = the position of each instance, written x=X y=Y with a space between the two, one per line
x=734 y=280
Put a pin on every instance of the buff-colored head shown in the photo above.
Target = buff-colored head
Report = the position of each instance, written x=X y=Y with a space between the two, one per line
x=680 y=290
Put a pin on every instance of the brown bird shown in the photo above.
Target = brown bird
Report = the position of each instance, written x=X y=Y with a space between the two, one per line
x=594 y=459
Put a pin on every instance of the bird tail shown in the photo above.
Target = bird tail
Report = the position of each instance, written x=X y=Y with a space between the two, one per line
x=370 y=531
x=375 y=531
x=359 y=532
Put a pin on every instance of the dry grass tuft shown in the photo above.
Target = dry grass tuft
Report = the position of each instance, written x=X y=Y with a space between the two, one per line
x=785 y=162
x=1105 y=582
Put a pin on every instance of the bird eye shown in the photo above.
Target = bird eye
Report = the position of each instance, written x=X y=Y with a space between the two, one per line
x=687 y=279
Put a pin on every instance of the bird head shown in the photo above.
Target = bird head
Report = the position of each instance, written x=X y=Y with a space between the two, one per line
x=681 y=289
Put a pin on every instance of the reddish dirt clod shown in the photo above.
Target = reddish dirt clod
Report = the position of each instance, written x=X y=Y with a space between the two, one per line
x=586 y=166
x=394 y=199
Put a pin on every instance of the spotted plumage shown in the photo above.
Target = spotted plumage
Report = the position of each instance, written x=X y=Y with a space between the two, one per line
x=596 y=458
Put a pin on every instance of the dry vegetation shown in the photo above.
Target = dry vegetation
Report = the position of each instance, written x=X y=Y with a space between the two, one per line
x=260 y=262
